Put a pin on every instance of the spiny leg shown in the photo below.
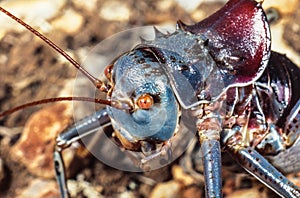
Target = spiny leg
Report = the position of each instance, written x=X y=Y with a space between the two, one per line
x=86 y=126
x=288 y=160
x=211 y=156
x=60 y=173
x=259 y=167
x=212 y=168
x=292 y=125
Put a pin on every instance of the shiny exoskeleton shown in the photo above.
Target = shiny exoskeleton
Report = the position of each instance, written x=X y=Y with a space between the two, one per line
x=219 y=79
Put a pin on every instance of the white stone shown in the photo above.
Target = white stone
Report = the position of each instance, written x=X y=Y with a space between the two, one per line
x=279 y=45
x=39 y=189
x=33 y=12
x=189 y=5
x=171 y=189
x=89 y=5
x=284 y=7
x=114 y=11
x=70 y=21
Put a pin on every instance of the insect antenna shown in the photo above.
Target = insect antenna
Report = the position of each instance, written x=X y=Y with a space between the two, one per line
x=123 y=105
x=51 y=100
x=98 y=83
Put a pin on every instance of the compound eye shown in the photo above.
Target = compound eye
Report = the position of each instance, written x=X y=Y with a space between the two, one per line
x=145 y=101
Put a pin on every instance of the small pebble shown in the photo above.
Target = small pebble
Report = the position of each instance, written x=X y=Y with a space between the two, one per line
x=192 y=191
x=40 y=189
x=165 y=5
x=171 y=189
x=88 y=5
x=181 y=176
x=248 y=193
x=284 y=7
x=80 y=186
x=127 y=194
x=190 y=5
x=70 y=22
x=114 y=11
x=34 y=13
x=34 y=149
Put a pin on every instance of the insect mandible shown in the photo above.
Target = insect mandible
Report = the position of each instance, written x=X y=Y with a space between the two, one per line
x=218 y=78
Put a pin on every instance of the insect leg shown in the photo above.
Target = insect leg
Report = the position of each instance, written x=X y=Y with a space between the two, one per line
x=80 y=129
x=209 y=134
x=288 y=160
x=212 y=168
x=60 y=173
x=259 y=167
x=292 y=125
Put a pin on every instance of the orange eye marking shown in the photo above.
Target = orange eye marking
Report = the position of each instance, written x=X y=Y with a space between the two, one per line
x=145 y=101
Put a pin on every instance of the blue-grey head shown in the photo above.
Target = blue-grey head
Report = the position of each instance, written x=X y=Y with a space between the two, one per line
x=138 y=79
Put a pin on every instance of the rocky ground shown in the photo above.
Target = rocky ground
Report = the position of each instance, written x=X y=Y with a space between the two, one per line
x=30 y=70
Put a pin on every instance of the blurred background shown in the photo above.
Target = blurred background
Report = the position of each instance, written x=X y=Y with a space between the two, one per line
x=30 y=70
